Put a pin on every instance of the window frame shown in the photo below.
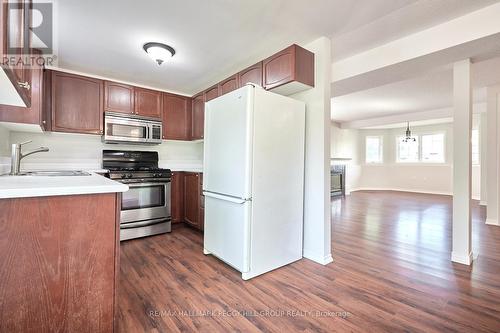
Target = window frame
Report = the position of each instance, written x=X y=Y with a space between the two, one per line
x=380 y=138
x=421 y=155
x=478 y=147
x=398 y=142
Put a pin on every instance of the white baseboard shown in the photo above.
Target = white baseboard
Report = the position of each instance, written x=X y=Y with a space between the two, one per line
x=460 y=258
x=405 y=190
x=399 y=190
x=492 y=222
x=323 y=260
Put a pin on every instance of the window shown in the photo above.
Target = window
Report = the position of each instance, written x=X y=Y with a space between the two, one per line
x=407 y=152
x=475 y=147
x=374 y=149
x=428 y=148
x=433 y=148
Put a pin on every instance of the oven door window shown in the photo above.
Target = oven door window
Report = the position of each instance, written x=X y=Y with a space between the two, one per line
x=139 y=197
x=127 y=131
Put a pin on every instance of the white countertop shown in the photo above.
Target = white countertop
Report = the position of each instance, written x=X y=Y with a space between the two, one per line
x=41 y=186
x=187 y=167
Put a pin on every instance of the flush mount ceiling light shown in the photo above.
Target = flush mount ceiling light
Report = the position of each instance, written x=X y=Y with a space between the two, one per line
x=159 y=52
x=408 y=137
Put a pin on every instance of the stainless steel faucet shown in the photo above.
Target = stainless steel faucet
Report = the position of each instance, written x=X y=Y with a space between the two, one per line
x=17 y=155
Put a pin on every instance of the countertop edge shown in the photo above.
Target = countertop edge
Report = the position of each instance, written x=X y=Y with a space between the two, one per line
x=37 y=190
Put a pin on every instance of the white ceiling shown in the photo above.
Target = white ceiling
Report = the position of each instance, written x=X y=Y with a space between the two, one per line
x=216 y=38
x=417 y=15
x=413 y=123
x=431 y=91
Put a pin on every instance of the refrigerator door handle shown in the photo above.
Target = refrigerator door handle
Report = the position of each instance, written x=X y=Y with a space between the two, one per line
x=223 y=197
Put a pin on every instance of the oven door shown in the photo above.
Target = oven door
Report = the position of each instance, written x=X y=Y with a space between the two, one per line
x=145 y=201
x=119 y=129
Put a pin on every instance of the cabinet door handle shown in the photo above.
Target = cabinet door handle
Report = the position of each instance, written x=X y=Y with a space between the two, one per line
x=25 y=85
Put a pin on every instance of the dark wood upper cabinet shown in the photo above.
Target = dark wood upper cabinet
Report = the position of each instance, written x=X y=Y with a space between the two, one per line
x=286 y=72
x=289 y=71
x=252 y=74
x=76 y=103
x=198 y=117
x=228 y=85
x=118 y=97
x=148 y=103
x=15 y=21
x=211 y=93
x=177 y=196
x=176 y=117
x=35 y=114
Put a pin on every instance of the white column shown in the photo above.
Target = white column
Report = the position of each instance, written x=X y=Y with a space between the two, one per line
x=317 y=223
x=462 y=163
x=483 y=139
x=492 y=155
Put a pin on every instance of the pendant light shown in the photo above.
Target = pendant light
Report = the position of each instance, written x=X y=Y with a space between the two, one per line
x=408 y=137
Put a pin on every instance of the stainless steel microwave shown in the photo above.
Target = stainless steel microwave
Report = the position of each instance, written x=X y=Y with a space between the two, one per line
x=121 y=128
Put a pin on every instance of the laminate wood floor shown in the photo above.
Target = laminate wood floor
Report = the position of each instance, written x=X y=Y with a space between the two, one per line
x=391 y=273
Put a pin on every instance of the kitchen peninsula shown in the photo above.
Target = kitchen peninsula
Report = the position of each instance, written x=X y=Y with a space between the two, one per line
x=59 y=239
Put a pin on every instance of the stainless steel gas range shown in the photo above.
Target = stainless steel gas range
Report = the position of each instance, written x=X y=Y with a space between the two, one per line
x=145 y=208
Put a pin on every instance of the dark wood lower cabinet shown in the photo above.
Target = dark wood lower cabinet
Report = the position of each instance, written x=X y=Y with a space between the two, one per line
x=201 y=222
x=177 y=197
x=187 y=198
x=191 y=198
x=59 y=263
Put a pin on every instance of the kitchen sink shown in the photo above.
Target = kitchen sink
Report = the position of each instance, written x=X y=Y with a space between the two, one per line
x=55 y=173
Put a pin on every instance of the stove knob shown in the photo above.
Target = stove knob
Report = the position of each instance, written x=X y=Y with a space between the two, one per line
x=129 y=175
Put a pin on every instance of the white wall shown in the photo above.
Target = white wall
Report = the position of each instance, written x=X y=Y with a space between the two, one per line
x=389 y=175
x=344 y=144
x=85 y=151
x=317 y=224
x=4 y=150
x=4 y=142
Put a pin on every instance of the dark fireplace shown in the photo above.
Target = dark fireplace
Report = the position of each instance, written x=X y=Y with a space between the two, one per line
x=337 y=178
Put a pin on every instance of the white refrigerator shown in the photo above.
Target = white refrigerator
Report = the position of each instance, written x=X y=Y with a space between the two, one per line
x=253 y=179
